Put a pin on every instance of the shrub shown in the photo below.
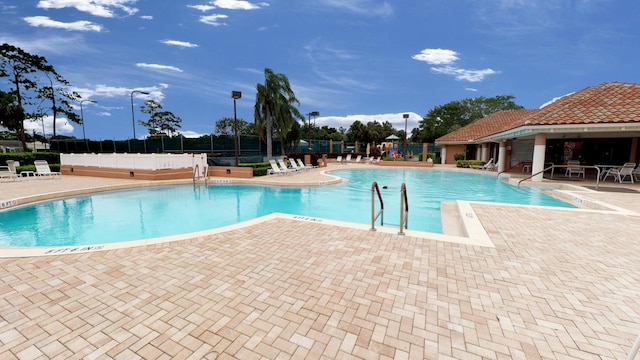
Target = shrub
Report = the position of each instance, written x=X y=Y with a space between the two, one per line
x=469 y=163
x=458 y=156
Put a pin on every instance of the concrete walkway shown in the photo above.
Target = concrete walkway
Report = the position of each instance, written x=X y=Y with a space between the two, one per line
x=558 y=284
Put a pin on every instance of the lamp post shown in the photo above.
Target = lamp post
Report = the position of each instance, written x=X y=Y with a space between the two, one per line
x=314 y=114
x=133 y=118
x=405 y=116
x=235 y=95
x=84 y=136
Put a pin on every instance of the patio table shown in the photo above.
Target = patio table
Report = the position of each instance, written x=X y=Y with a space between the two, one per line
x=605 y=168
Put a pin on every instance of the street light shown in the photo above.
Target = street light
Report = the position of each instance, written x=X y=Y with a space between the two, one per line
x=84 y=136
x=133 y=119
x=314 y=114
x=405 y=116
x=235 y=95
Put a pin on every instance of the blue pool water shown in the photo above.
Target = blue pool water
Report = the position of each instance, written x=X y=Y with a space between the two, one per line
x=162 y=211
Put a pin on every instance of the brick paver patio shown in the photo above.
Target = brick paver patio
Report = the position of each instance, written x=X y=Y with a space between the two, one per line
x=559 y=284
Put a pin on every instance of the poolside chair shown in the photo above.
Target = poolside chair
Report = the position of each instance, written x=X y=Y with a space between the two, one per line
x=285 y=169
x=9 y=171
x=348 y=159
x=620 y=174
x=294 y=166
x=43 y=169
x=358 y=160
x=490 y=165
x=275 y=170
x=302 y=165
x=574 y=167
x=339 y=159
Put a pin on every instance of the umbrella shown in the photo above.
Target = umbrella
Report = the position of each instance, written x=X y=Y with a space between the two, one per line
x=392 y=137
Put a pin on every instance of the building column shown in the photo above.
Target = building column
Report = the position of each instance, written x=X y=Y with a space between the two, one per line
x=485 y=152
x=443 y=155
x=539 y=150
x=502 y=156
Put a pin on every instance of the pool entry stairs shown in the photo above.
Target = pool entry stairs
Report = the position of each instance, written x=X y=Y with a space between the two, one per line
x=404 y=208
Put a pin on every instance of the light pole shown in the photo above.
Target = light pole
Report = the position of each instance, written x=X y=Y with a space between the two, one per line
x=235 y=95
x=84 y=136
x=133 y=119
x=405 y=116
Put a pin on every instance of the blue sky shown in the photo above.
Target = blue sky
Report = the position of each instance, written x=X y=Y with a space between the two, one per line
x=347 y=59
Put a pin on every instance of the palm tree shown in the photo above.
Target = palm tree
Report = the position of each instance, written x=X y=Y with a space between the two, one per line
x=275 y=107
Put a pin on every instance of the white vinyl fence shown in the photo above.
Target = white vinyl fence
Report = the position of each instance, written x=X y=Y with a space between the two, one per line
x=138 y=161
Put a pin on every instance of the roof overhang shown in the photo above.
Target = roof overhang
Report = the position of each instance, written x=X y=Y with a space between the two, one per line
x=568 y=130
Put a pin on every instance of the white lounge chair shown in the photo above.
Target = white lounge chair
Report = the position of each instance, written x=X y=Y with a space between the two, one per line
x=348 y=160
x=358 y=160
x=620 y=174
x=43 y=169
x=490 y=165
x=294 y=166
x=9 y=171
x=574 y=167
x=275 y=170
x=302 y=165
x=339 y=159
x=284 y=168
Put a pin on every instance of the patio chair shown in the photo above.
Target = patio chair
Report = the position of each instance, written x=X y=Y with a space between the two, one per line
x=348 y=159
x=284 y=168
x=302 y=165
x=9 y=171
x=490 y=165
x=620 y=174
x=43 y=169
x=574 y=167
x=293 y=165
x=339 y=159
x=275 y=170
x=358 y=160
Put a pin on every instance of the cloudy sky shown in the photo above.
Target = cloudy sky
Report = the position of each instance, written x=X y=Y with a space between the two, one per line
x=347 y=59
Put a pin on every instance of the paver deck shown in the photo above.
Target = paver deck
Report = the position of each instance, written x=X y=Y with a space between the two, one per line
x=559 y=284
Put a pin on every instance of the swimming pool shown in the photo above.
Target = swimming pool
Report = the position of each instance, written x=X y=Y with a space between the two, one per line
x=162 y=211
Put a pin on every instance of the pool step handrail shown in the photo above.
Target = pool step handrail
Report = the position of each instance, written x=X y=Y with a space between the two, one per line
x=552 y=167
x=404 y=209
x=375 y=189
x=196 y=173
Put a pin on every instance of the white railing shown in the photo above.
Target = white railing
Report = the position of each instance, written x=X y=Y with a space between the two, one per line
x=137 y=161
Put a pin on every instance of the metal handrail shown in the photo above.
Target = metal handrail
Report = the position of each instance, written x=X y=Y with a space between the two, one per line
x=374 y=215
x=565 y=166
x=196 y=173
x=513 y=167
x=404 y=209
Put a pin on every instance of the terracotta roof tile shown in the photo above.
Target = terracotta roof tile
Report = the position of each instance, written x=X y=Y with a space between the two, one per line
x=614 y=102
x=489 y=125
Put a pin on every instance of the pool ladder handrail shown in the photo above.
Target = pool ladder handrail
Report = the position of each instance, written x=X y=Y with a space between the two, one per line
x=404 y=209
x=196 y=173
x=375 y=189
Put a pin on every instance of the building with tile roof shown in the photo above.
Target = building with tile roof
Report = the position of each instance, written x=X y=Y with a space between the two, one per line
x=596 y=125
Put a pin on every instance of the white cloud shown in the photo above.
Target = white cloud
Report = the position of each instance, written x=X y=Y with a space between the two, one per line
x=235 y=5
x=63 y=126
x=448 y=58
x=158 y=67
x=146 y=17
x=101 y=8
x=106 y=91
x=464 y=74
x=203 y=8
x=44 y=21
x=437 y=56
x=180 y=43
x=362 y=7
x=395 y=119
x=471 y=89
x=213 y=19
x=191 y=134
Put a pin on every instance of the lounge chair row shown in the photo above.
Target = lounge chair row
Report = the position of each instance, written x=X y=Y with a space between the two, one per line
x=358 y=160
x=281 y=168
x=10 y=171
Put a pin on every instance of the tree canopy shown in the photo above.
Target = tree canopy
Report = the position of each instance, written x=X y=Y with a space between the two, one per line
x=160 y=122
x=449 y=117
x=275 y=108
x=21 y=70
x=224 y=126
